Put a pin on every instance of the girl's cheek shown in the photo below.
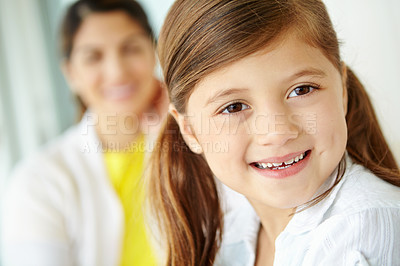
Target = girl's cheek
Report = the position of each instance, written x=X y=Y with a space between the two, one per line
x=229 y=125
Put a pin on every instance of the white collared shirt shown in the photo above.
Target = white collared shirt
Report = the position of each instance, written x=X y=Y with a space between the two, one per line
x=357 y=224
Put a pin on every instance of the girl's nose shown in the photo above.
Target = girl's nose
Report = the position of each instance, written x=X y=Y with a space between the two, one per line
x=276 y=129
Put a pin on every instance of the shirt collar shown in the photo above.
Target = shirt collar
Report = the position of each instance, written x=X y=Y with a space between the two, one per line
x=243 y=223
x=241 y=226
x=311 y=217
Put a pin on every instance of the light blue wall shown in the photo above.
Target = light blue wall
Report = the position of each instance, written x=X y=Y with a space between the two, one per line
x=156 y=10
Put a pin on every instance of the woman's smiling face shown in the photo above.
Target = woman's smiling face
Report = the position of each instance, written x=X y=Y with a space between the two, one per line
x=112 y=64
x=272 y=125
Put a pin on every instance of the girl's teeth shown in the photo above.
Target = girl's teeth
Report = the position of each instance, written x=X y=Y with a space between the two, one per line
x=280 y=165
x=283 y=167
x=289 y=162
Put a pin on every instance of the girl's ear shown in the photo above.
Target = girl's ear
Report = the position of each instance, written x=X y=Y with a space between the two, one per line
x=344 y=85
x=186 y=130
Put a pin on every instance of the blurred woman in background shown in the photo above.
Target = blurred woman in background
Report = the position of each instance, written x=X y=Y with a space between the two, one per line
x=79 y=201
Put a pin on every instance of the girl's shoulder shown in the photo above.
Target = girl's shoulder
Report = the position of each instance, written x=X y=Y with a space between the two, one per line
x=357 y=224
x=362 y=190
x=359 y=196
x=361 y=227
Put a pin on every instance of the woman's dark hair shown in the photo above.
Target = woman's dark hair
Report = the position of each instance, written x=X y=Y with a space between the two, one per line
x=77 y=13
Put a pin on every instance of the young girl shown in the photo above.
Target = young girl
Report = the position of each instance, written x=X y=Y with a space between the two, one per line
x=261 y=101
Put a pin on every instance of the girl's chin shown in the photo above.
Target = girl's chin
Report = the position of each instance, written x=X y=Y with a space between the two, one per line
x=281 y=200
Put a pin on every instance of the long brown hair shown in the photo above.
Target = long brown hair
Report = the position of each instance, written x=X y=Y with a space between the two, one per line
x=199 y=37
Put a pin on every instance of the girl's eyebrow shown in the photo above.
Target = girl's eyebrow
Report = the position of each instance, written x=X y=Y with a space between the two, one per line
x=311 y=71
x=224 y=93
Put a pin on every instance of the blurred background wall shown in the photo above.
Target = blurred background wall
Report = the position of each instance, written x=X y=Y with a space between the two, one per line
x=36 y=104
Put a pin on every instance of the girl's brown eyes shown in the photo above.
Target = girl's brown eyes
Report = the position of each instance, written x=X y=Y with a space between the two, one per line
x=302 y=90
x=234 y=108
x=239 y=106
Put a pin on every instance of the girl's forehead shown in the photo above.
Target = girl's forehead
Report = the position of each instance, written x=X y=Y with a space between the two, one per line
x=290 y=53
x=277 y=66
x=282 y=56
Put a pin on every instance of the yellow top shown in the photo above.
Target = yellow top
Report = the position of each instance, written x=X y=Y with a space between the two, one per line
x=125 y=171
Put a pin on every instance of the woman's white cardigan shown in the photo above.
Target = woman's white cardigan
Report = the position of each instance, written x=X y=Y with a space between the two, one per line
x=60 y=207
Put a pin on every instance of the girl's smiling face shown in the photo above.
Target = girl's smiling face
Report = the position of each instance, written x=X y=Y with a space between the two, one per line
x=272 y=125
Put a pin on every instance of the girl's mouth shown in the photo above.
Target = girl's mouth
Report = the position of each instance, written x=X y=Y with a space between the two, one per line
x=281 y=165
